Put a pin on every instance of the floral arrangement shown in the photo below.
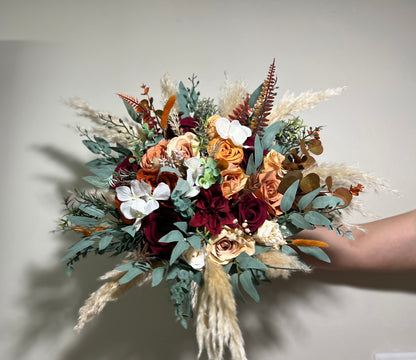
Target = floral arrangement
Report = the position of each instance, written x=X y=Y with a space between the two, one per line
x=207 y=198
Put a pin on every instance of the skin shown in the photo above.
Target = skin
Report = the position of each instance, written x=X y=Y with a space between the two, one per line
x=384 y=245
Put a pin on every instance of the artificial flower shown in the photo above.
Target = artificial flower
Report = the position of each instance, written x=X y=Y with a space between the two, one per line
x=269 y=192
x=228 y=244
x=274 y=161
x=138 y=200
x=128 y=166
x=151 y=158
x=153 y=177
x=212 y=210
x=187 y=145
x=269 y=234
x=234 y=180
x=222 y=149
x=195 y=258
x=251 y=212
x=232 y=130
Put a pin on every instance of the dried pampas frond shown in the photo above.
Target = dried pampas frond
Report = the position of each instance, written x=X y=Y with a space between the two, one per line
x=216 y=316
x=115 y=134
x=282 y=264
x=291 y=104
x=110 y=291
x=232 y=94
x=169 y=88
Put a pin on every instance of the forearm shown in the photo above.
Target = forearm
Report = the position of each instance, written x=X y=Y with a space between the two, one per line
x=387 y=244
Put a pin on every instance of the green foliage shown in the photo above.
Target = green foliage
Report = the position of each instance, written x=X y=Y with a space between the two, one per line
x=187 y=98
x=205 y=108
x=289 y=197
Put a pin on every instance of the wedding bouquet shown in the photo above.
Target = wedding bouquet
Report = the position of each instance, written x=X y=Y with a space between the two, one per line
x=206 y=197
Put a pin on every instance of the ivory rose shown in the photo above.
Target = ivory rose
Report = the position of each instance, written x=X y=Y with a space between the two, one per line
x=225 y=150
x=153 y=154
x=274 y=161
x=269 y=234
x=187 y=144
x=228 y=245
x=268 y=192
x=233 y=181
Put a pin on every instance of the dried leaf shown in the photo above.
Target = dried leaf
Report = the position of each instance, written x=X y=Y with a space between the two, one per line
x=310 y=182
x=315 y=147
x=344 y=194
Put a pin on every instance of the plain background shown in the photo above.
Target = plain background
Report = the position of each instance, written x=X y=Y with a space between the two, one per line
x=93 y=49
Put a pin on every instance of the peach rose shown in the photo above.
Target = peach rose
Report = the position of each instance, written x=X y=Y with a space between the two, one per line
x=187 y=144
x=268 y=192
x=228 y=245
x=274 y=161
x=233 y=181
x=225 y=150
x=153 y=154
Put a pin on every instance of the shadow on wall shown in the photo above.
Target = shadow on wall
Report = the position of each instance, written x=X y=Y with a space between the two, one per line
x=141 y=325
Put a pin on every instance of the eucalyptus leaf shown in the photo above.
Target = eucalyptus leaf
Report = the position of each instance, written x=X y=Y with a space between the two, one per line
x=131 y=230
x=104 y=172
x=251 y=167
x=78 y=247
x=82 y=221
x=172 y=236
x=97 y=182
x=236 y=288
x=182 y=226
x=255 y=95
x=92 y=210
x=246 y=280
x=133 y=114
x=289 y=197
x=299 y=221
x=269 y=134
x=182 y=98
x=157 y=275
x=130 y=275
x=92 y=146
x=104 y=242
x=258 y=152
x=322 y=202
x=305 y=200
x=105 y=146
x=195 y=241
x=316 y=252
x=289 y=250
x=248 y=262
x=172 y=272
x=169 y=169
x=125 y=267
x=316 y=218
x=177 y=251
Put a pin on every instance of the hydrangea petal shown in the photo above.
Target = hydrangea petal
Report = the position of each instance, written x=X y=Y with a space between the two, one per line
x=239 y=133
x=124 y=193
x=161 y=192
x=222 y=126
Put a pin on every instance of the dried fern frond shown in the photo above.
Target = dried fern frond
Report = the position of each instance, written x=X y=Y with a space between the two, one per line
x=216 y=316
x=110 y=291
x=282 y=265
x=264 y=103
x=242 y=112
x=141 y=108
x=231 y=95
x=291 y=104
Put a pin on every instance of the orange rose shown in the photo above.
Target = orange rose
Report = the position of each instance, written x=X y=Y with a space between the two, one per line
x=153 y=154
x=187 y=144
x=268 y=192
x=211 y=129
x=228 y=245
x=225 y=150
x=152 y=177
x=274 y=161
x=233 y=181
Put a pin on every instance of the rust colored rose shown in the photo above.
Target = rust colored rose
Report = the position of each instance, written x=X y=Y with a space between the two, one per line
x=228 y=245
x=268 y=192
x=187 y=144
x=222 y=149
x=233 y=181
x=150 y=159
x=152 y=177
x=274 y=161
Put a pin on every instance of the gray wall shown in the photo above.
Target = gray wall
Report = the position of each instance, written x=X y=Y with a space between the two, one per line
x=93 y=49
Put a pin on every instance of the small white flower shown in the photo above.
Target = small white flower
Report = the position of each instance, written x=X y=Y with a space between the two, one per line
x=195 y=258
x=233 y=130
x=269 y=234
x=138 y=200
x=194 y=171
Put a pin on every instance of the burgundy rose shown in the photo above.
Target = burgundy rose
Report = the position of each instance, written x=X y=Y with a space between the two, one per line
x=127 y=167
x=212 y=210
x=251 y=210
x=156 y=225
x=188 y=124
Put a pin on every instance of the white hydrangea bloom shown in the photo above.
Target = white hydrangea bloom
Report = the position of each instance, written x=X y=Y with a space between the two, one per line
x=232 y=130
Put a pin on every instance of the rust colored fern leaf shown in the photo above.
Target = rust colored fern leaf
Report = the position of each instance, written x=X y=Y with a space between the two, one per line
x=140 y=108
x=264 y=103
x=242 y=112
